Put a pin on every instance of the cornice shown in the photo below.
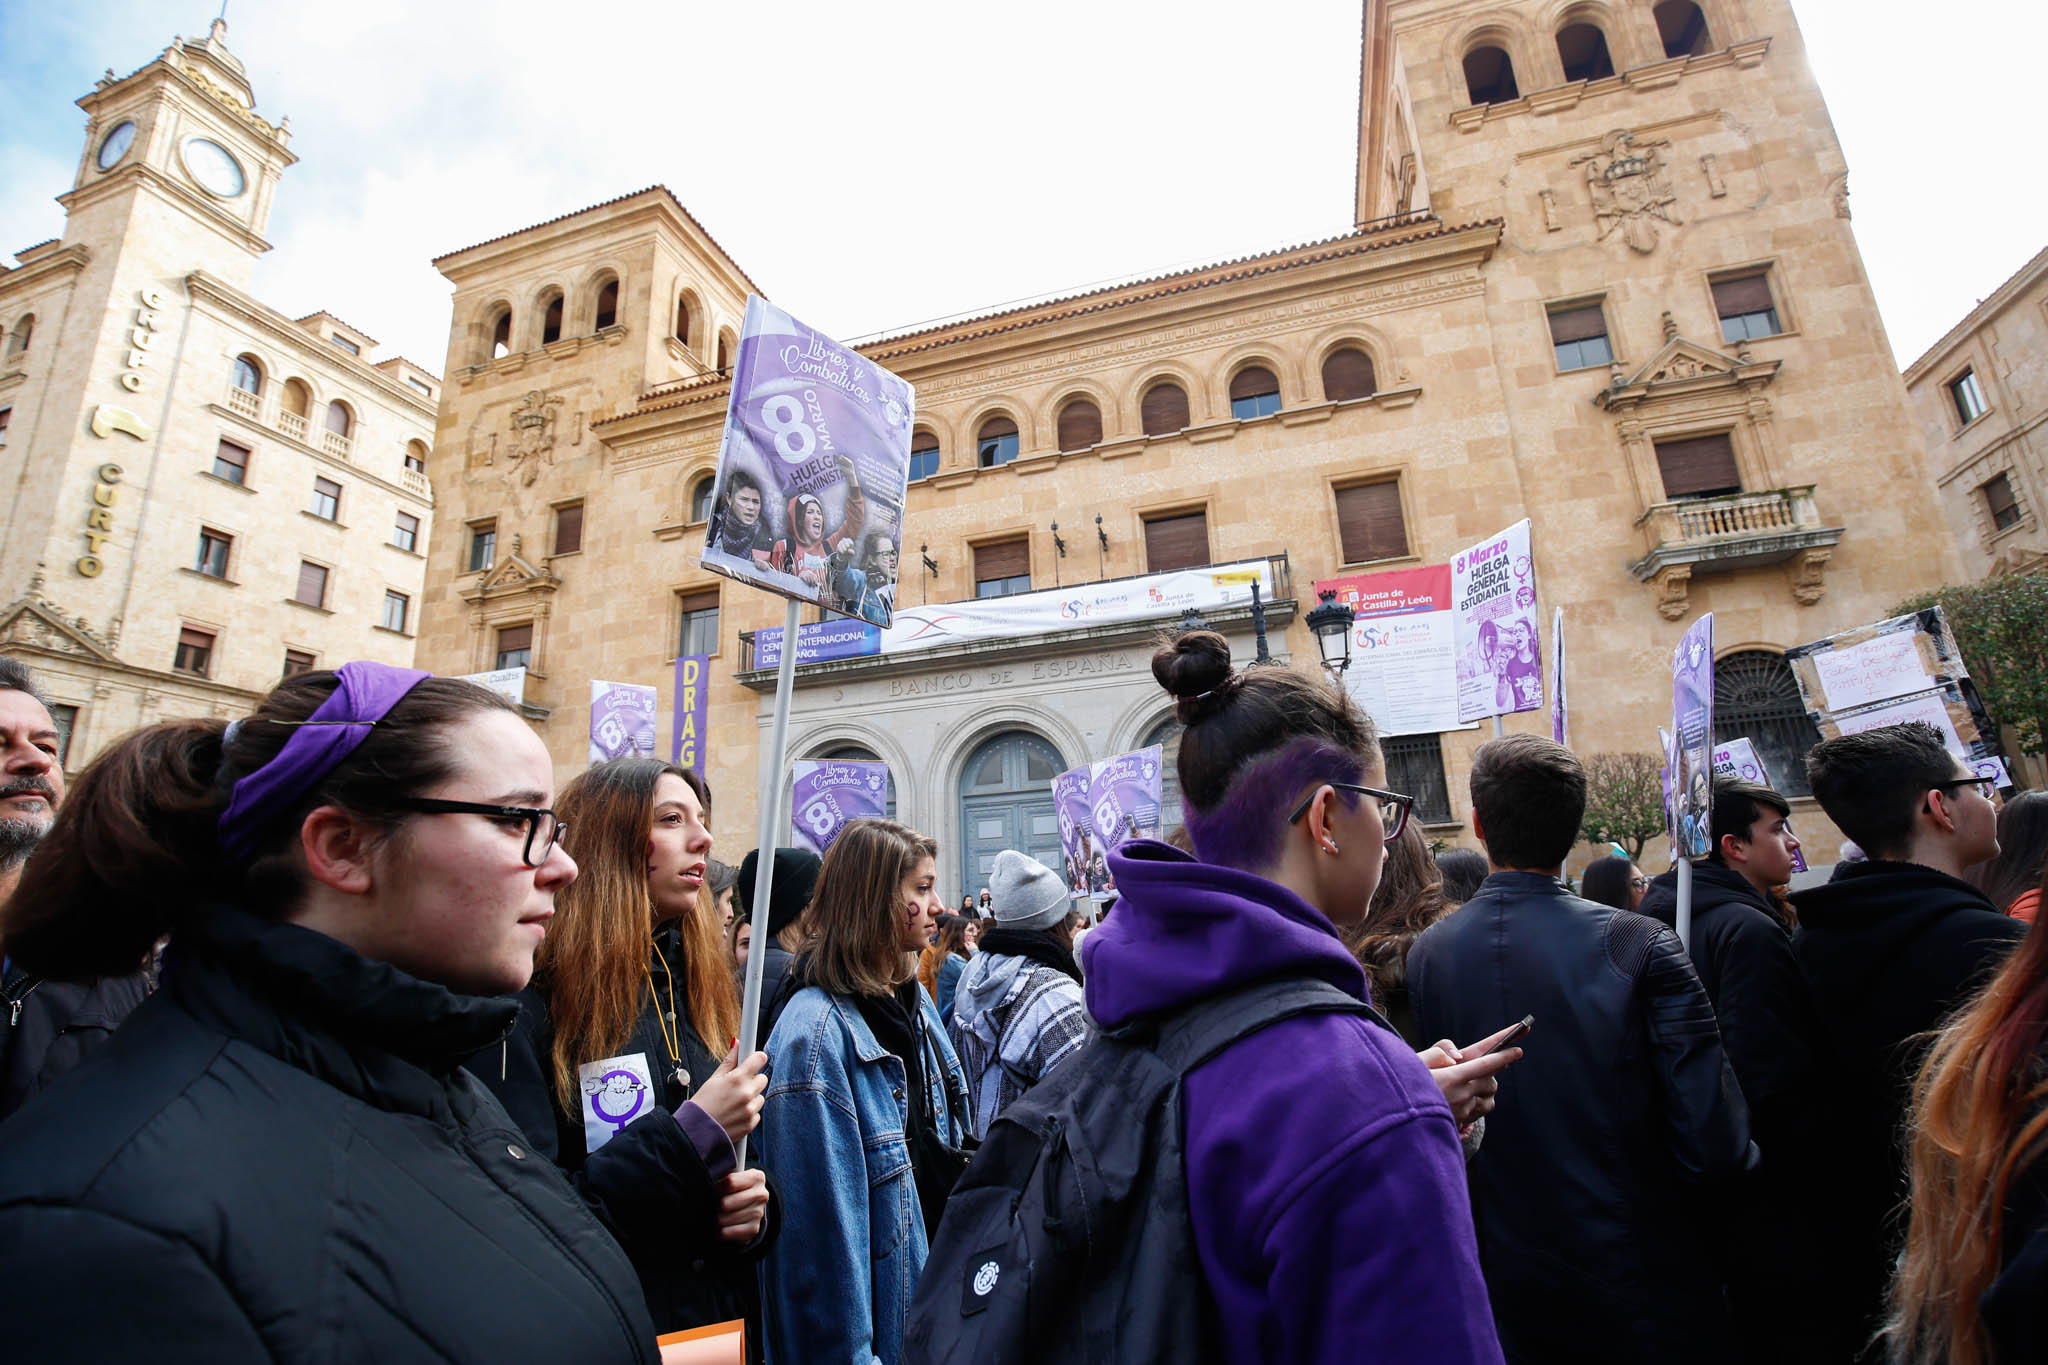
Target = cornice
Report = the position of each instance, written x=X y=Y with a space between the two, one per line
x=193 y=83
x=2001 y=298
x=116 y=181
x=234 y=304
x=656 y=201
x=36 y=273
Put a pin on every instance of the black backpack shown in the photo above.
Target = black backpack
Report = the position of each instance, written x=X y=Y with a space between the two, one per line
x=1069 y=1236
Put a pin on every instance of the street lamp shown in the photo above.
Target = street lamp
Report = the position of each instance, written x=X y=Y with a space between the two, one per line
x=1331 y=623
x=1190 y=619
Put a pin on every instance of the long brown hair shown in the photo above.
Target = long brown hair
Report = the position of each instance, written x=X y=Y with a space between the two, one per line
x=1980 y=1117
x=1409 y=898
x=134 y=852
x=853 y=944
x=593 y=964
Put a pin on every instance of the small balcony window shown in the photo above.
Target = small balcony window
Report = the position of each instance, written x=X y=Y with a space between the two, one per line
x=1254 y=392
x=397 y=606
x=405 y=533
x=1699 y=467
x=195 y=653
x=212 y=559
x=699 y=633
x=326 y=499
x=2001 y=502
x=231 y=462
x=483 y=545
x=1746 y=308
x=312 y=589
x=1002 y=568
x=515 y=647
x=1578 y=334
x=997 y=443
x=924 y=456
x=1968 y=396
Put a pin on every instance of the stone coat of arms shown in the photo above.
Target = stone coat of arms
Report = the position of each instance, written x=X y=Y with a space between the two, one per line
x=533 y=435
x=1630 y=188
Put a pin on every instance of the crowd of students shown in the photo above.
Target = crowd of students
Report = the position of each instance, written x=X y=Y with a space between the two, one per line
x=337 y=1032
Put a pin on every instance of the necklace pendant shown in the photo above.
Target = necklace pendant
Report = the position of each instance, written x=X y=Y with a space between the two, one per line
x=671 y=1018
x=681 y=1078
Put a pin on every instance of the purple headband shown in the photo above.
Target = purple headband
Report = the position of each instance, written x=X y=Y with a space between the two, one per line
x=366 y=694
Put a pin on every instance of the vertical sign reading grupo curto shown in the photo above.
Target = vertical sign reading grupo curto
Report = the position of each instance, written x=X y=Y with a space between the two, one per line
x=1493 y=602
x=812 y=471
x=692 y=711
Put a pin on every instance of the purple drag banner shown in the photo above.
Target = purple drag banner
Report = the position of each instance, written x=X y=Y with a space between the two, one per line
x=1560 y=718
x=1493 y=613
x=1692 y=740
x=1086 y=871
x=812 y=470
x=1738 y=759
x=1101 y=806
x=621 y=721
x=829 y=793
x=817 y=641
x=692 y=711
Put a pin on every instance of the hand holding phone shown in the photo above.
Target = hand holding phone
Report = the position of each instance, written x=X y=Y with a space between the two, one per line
x=1506 y=1038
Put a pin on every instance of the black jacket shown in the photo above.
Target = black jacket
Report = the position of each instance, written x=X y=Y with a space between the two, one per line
x=2015 y=1307
x=1788 y=1304
x=278 y=1159
x=1621 y=1112
x=647 y=1184
x=1888 y=950
x=49 y=1027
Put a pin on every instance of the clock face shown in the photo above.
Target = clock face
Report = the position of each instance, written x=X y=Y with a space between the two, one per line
x=116 y=144
x=214 y=168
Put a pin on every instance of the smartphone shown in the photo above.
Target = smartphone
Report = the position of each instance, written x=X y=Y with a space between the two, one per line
x=1514 y=1035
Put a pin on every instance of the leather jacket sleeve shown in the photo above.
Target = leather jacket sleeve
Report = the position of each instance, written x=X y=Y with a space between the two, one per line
x=1706 y=1120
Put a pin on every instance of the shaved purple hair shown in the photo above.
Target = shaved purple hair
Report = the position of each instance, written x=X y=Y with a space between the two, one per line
x=1244 y=830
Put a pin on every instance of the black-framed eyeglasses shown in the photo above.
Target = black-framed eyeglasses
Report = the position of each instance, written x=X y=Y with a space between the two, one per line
x=541 y=825
x=1986 y=787
x=1394 y=807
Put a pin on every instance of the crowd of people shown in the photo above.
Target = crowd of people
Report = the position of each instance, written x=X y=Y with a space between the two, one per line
x=338 y=1032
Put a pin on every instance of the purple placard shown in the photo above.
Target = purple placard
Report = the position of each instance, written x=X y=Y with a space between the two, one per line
x=827 y=794
x=1738 y=758
x=1077 y=839
x=844 y=638
x=1123 y=797
x=1692 y=740
x=621 y=720
x=1560 y=718
x=692 y=711
x=812 y=470
x=1664 y=749
x=1493 y=612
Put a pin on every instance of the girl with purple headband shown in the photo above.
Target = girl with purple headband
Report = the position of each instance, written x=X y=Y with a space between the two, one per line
x=279 y=1156
x=1325 y=1185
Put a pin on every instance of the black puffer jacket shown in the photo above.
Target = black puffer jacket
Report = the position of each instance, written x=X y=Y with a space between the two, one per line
x=647 y=1183
x=1785 y=1248
x=279 y=1158
x=1621 y=1113
x=49 y=1027
x=1889 y=950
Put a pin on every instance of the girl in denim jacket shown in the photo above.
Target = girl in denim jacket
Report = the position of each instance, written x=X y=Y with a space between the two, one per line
x=867 y=1108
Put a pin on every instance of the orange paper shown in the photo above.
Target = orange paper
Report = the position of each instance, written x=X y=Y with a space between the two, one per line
x=722 y=1343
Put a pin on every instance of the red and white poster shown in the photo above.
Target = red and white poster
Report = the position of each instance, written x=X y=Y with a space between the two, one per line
x=1402 y=648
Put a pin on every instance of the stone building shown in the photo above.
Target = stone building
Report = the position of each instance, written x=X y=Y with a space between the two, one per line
x=1980 y=394
x=1602 y=275
x=203 y=494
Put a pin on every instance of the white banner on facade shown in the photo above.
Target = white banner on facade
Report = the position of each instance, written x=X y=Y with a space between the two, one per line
x=1076 y=608
x=509 y=683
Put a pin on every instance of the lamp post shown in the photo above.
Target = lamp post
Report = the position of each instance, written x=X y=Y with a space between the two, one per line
x=1190 y=619
x=1331 y=623
x=1261 y=655
x=1061 y=546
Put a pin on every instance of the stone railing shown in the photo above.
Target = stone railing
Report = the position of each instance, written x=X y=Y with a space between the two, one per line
x=1689 y=521
x=334 y=443
x=416 y=482
x=242 y=401
x=291 y=424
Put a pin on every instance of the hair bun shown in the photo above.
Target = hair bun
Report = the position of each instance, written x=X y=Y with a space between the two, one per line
x=1192 y=666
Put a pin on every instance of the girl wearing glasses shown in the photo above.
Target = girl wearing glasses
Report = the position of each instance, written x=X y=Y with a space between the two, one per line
x=614 y=1068
x=281 y=1157
x=1325 y=1182
x=1615 y=881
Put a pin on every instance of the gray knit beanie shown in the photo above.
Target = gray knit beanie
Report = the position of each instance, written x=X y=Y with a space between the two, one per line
x=1026 y=894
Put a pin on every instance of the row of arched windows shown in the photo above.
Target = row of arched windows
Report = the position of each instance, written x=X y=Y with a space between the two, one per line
x=603 y=299
x=1163 y=410
x=1582 y=51
x=296 y=396
x=693 y=320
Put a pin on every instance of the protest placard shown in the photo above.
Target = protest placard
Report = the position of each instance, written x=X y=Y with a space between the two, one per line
x=1402 y=672
x=1078 y=607
x=621 y=720
x=1107 y=803
x=812 y=470
x=1493 y=595
x=1737 y=758
x=1692 y=740
x=828 y=794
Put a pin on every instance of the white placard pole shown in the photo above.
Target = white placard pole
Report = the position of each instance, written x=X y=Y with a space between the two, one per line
x=764 y=860
x=1683 y=920
x=1496 y=727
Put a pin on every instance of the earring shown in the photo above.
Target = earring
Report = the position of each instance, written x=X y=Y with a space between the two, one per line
x=1329 y=846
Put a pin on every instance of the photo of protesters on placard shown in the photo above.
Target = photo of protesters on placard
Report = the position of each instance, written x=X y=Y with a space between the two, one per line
x=814 y=461
x=1517 y=665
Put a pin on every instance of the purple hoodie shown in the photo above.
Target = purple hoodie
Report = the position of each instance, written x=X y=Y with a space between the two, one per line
x=1325 y=1180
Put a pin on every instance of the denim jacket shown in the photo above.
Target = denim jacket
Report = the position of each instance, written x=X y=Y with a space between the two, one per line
x=837 y=1284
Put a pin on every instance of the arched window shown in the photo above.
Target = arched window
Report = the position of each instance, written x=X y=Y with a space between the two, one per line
x=1164 y=409
x=551 y=319
x=607 y=306
x=700 y=499
x=997 y=442
x=1683 y=29
x=247 y=376
x=1006 y=802
x=1347 y=373
x=683 y=320
x=416 y=456
x=1080 y=425
x=855 y=753
x=1490 y=76
x=924 y=455
x=1254 y=392
x=298 y=399
x=339 y=421
x=1166 y=734
x=24 y=332
x=726 y=348
x=1756 y=698
x=501 y=334
x=1583 y=50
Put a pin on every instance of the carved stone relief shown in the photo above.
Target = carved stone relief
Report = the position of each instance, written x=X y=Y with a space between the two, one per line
x=1630 y=189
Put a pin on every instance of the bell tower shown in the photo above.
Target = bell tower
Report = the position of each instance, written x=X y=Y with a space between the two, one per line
x=181 y=136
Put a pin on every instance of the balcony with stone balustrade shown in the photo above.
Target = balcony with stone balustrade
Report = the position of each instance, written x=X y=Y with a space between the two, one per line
x=1733 y=531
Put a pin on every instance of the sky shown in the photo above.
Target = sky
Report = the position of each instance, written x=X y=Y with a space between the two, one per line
x=881 y=165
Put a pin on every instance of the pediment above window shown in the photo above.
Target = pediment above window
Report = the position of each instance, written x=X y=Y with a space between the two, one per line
x=1684 y=369
x=35 y=624
x=512 y=576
